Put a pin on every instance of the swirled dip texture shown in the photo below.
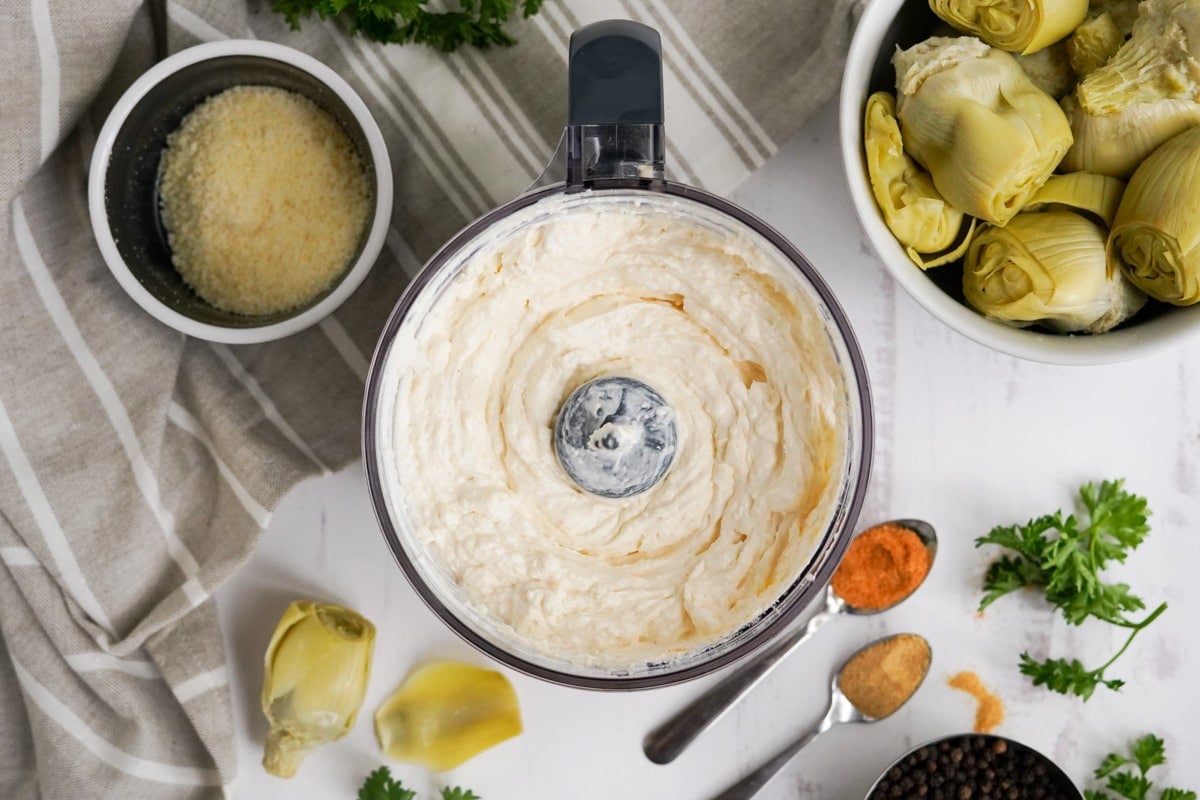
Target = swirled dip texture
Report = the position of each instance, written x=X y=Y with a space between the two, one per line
x=722 y=328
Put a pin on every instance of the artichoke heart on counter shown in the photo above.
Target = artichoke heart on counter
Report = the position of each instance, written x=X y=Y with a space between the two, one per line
x=915 y=213
x=445 y=713
x=315 y=677
x=1155 y=238
x=1047 y=267
x=970 y=116
x=1099 y=195
x=1019 y=26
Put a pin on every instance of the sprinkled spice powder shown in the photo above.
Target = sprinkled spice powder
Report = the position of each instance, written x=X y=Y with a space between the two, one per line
x=990 y=711
x=882 y=566
x=881 y=678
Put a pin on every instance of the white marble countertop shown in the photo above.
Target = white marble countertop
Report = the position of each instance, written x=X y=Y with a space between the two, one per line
x=966 y=438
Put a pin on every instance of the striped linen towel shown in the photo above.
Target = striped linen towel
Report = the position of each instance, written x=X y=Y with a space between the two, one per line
x=139 y=467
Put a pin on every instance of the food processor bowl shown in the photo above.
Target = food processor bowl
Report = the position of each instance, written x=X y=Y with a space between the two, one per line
x=614 y=161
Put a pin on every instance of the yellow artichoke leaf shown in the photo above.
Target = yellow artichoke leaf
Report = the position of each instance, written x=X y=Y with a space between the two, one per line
x=912 y=208
x=954 y=253
x=446 y=713
x=1098 y=195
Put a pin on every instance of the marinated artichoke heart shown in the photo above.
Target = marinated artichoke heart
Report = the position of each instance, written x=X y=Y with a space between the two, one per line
x=446 y=713
x=1122 y=12
x=1099 y=195
x=1115 y=144
x=1093 y=43
x=1144 y=95
x=1050 y=69
x=912 y=208
x=315 y=676
x=1157 y=63
x=1047 y=267
x=1156 y=236
x=968 y=114
x=1019 y=26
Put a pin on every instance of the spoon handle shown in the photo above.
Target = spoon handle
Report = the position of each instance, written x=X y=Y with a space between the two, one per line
x=664 y=744
x=749 y=786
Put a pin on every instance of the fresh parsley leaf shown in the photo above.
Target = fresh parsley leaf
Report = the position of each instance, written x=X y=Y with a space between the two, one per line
x=1126 y=784
x=1008 y=574
x=1111 y=763
x=1176 y=794
x=1147 y=752
x=380 y=785
x=1118 y=520
x=479 y=23
x=1066 y=677
x=1064 y=557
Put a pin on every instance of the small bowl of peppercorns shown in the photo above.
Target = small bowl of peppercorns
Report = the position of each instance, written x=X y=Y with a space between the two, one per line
x=974 y=766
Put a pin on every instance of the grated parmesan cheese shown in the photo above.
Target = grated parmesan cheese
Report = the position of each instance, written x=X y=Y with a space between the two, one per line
x=264 y=199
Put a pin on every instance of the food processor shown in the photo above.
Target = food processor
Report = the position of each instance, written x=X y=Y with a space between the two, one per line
x=614 y=436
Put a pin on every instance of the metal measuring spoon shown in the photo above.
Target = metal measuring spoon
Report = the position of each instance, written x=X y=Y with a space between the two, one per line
x=841 y=709
x=664 y=744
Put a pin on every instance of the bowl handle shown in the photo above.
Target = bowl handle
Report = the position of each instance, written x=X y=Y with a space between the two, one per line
x=615 y=106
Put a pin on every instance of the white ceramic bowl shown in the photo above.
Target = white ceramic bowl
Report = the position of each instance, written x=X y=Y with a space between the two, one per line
x=884 y=24
x=122 y=183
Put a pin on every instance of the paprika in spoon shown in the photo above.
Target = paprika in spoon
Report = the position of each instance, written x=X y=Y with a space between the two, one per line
x=882 y=566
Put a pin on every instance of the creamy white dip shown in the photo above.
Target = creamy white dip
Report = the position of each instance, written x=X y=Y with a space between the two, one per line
x=577 y=287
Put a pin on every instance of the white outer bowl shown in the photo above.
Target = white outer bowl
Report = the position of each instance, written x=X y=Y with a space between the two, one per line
x=349 y=281
x=1142 y=339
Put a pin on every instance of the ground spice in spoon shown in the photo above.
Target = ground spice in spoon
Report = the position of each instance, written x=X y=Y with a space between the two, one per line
x=881 y=678
x=882 y=566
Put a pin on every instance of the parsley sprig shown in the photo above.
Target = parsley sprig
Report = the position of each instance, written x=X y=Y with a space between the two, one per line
x=1065 y=559
x=380 y=785
x=1148 y=752
x=479 y=23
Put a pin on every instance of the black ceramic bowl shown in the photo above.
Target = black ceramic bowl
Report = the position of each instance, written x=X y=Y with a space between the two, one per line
x=974 y=766
x=123 y=182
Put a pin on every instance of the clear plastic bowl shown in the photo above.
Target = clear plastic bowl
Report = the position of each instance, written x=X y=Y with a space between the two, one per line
x=432 y=581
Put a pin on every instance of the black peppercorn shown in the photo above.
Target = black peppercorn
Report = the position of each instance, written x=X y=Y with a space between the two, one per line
x=973 y=767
